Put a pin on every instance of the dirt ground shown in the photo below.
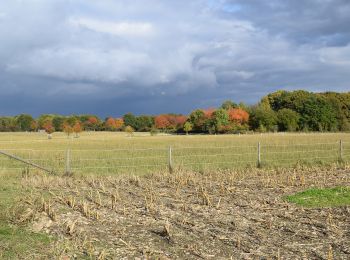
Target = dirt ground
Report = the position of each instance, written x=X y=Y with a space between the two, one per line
x=187 y=215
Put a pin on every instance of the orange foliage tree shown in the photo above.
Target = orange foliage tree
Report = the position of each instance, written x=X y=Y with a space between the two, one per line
x=77 y=129
x=67 y=128
x=119 y=123
x=49 y=129
x=238 y=115
x=162 y=122
x=180 y=121
x=208 y=113
x=110 y=124
x=169 y=121
x=91 y=124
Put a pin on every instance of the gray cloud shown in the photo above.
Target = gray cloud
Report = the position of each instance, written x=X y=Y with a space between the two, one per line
x=153 y=56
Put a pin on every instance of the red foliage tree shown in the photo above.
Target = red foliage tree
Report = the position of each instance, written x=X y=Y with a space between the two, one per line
x=162 y=122
x=208 y=113
x=92 y=120
x=180 y=121
x=77 y=128
x=238 y=115
x=91 y=123
x=49 y=128
x=169 y=121
x=110 y=124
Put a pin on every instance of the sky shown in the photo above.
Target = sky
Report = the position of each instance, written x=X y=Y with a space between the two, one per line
x=110 y=57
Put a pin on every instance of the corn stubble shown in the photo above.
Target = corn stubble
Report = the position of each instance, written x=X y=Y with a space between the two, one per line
x=227 y=214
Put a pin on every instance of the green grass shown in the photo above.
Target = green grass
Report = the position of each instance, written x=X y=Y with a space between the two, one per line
x=16 y=242
x=320 y=198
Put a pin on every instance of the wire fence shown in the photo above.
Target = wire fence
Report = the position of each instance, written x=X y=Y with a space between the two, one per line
x=109 y=161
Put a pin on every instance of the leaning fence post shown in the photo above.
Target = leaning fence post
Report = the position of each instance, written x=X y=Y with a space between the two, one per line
x=259 y=155
x=68 y=162
x=170 y=161
x=341 y=150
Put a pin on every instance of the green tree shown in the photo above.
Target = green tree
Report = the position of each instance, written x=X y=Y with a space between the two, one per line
x=144 y=123
x=228 y=104
x=263 y=118
x=219 y=121
x=8 y=124
x=341 y=104
x=318 y=115
x=130 y=120
x=24 y=122
x=188 y=127
x=57 y=122
x=287 y=120
x=197 y=119
x=44 y=118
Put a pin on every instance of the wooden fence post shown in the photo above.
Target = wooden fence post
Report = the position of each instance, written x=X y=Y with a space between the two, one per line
x=170 y=160
x=259 y=155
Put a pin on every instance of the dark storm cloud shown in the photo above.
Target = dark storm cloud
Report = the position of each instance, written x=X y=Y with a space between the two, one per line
x=111 y=57
x=303 y=21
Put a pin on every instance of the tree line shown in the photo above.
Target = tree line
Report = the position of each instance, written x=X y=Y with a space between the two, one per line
x=279 y=111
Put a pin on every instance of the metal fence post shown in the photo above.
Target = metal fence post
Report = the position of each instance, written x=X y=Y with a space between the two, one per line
x=68 y=171
x=341 y=150
x=259 y=155
x=170 y=160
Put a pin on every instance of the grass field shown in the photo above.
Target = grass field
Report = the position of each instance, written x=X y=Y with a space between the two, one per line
x=109 y=153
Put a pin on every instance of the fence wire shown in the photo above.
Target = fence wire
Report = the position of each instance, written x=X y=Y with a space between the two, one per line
x=160 y=158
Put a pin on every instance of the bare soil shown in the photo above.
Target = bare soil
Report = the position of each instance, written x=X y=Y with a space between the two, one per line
x=188 y=215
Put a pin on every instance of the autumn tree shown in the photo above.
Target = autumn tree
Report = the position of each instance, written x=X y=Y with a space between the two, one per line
x=77 y=129
x=67 y=129
x=180 y=121
x=110 y=124
x=92 y=123
x=119 y=123
x=238 y=115
x=49 y=129
x=208 y=113
x=162 y=122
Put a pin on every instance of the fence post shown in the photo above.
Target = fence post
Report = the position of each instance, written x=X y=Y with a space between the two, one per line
x=341 y=150
x=170 y=161
x=259 y=155
x=68 y=172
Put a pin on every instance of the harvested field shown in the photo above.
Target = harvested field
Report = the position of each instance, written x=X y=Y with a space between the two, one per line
x=187 y=215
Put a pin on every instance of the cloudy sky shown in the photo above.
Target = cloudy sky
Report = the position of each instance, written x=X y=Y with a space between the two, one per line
x=109 y=57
